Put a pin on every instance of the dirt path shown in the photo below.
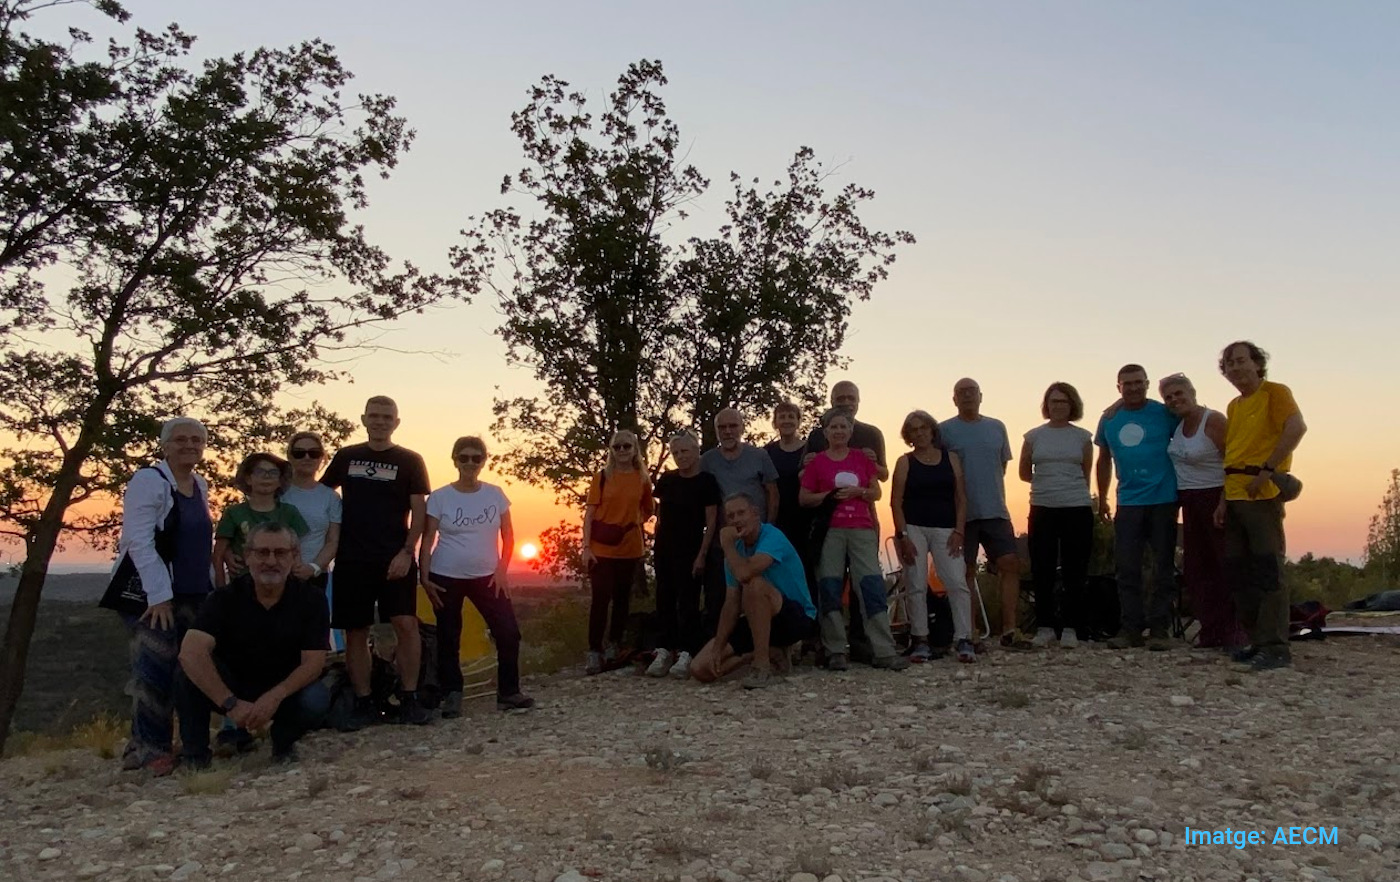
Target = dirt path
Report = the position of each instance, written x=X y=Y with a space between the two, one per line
x=1084 y=765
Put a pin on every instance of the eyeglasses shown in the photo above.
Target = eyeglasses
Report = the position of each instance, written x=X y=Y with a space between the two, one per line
x=307 y=453
x=267 y=473
x=265 y=553
x=471 y=457
x=622 y=447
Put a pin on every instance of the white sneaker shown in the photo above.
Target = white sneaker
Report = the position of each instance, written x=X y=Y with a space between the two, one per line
x=1069 y=639
x=1043 y=638
x=681 y=669
x=661 y=664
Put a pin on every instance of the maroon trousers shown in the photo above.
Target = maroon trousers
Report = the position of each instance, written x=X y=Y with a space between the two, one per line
x=1203 y=553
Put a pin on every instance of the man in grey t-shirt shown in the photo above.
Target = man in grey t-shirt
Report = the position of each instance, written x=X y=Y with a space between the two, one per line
x=984 y=448
x=738 y=467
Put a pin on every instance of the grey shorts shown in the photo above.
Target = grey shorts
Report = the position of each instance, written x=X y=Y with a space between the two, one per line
x=993 y=535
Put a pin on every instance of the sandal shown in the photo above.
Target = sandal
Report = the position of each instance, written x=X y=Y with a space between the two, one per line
x=1016 y=641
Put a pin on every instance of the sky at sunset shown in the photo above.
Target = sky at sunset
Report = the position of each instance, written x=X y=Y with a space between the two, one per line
x=1090 y=183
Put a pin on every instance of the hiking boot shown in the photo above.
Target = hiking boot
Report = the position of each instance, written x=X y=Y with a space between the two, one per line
x=1043 y=637
x=1069 y=639
x=759 y=679
x=231 y=742
x=362 y=714
x=594 y=665
x=1015 y=641
x=161 y=765
x=451 y=707
x=967 y=653
x=921 y=652
x=1269 y=661
x=890 y=663
x=661 y=664
x=609 y=653
x=1126 y=639
x=1158 y=641
x=285 y=756
x=1244 y=654
x=837 y=661
x=411 y=712
x=681 y=668
x=518 y=701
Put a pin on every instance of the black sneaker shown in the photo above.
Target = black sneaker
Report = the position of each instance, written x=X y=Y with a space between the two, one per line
x=1244 y=654
x=1270 y=661
x=518 y=701
x=1126 y=640
x=890 y=663
x=411 y=712
x=1158 y=640
x=285 y=756
x=197 y=762
x=451 y=707
x=361 y=715
x=231 y=742
x=837 y=662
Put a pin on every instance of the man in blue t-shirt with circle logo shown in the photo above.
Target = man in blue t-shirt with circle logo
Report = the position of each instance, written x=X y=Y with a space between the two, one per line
x=1132 y=439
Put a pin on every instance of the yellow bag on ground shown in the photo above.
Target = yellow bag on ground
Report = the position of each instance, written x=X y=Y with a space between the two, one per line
x=476 y=641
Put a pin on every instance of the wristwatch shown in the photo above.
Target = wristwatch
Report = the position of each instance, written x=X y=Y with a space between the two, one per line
x=229 y=703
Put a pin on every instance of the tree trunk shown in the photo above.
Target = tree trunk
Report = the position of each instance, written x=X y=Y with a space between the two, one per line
x=39 y=549
x=24 y=614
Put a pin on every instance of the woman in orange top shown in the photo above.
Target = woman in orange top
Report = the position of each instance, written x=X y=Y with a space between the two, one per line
x=619 y=502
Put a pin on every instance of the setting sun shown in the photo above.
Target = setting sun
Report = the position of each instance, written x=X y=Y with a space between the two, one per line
x=529 y=551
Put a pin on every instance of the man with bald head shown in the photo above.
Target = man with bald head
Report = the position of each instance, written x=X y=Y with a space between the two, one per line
x=984 y=448
x=738 y=467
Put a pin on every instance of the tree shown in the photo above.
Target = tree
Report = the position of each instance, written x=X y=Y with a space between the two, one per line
x=1383 y=537
x=561 y=552
x=625 y=330
x=202 y=219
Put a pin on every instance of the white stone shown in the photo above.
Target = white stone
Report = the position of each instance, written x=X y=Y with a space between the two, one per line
x=309 y=842
x=1145 y=836
x=495 y=865
x=1365 y=840
x=803 y=877
x=49 y=854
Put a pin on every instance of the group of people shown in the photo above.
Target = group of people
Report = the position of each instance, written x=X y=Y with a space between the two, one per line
x=778 y=532
x=240 y=626
x=754 y=549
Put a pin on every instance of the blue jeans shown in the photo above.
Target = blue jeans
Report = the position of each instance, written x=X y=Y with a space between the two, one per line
x=1136 y=529
x=297 y=715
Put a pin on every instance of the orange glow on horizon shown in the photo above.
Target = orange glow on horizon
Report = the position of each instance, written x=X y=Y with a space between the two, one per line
x=529 y=551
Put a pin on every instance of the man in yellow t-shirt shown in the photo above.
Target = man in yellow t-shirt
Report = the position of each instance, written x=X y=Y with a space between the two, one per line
x=1264 y=429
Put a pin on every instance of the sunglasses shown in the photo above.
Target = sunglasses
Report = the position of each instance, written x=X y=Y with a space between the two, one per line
x=307 y=453
x=267 y=473
x=622 y=447
x=470 y=457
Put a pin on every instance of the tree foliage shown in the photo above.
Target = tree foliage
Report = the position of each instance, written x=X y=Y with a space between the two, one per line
x=624 y=326
x=176 y=240
x=1383 y=536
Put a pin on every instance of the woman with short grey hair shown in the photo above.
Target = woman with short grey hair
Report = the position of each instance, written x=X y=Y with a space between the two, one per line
x=1197 y=449
x=167 y=535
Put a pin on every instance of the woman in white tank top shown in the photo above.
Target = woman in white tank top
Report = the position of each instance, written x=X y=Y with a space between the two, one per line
x=1197 y=450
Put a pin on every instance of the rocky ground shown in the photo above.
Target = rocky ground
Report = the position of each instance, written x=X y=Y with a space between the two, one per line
x=1062 y=765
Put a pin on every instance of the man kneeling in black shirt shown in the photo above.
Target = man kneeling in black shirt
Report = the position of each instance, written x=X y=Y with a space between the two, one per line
x=256 y=652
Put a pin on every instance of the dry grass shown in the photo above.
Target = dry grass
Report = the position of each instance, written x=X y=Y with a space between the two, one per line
x=206 y=783
x=103 y=735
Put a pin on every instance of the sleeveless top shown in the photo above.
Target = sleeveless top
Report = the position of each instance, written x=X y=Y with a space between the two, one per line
x=1199 y=465
x=930 y=493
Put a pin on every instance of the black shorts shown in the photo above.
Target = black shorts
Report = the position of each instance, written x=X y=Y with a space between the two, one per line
x=994 y=535
x=358 y=587
x=790 y=625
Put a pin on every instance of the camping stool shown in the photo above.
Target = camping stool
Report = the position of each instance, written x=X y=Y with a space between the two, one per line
x=897 y=584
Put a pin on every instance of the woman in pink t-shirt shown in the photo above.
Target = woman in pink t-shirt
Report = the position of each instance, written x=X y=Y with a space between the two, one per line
x=850 y=480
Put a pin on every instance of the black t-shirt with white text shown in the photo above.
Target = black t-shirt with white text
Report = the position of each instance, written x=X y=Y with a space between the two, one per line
x=376 y=487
